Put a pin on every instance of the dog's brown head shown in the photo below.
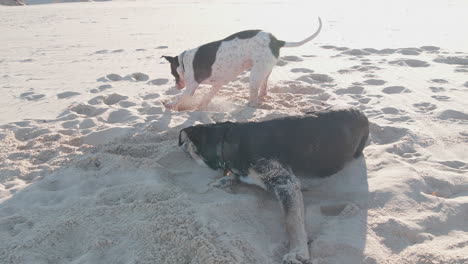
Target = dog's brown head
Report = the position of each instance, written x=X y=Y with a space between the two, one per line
x=176 y=71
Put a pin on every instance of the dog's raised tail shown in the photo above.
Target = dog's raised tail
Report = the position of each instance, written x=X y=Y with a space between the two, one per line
x=300 y=43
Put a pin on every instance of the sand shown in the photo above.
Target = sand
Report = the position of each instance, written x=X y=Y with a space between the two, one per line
x=90 y=170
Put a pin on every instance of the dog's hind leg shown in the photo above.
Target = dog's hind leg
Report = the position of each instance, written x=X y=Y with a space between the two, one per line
x=258 y=76
x=287 y=188
x=263 y=90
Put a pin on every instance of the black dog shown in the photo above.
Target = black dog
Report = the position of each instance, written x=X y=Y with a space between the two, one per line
x=271 y=153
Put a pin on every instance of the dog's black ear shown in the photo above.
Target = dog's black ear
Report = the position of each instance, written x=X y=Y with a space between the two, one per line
x=188 y=131
x=168 y=58
x=196 y=134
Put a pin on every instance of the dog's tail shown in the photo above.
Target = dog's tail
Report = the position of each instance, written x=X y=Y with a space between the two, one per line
x=300 y=43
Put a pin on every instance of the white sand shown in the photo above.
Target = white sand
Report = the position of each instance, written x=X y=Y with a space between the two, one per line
x=90 y=171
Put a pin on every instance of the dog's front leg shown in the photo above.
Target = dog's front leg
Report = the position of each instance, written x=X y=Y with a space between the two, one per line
x=207 y=97
x=287 y=189
x=189 y=91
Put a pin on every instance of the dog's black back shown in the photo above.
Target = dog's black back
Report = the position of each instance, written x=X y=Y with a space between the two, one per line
x=314 y=144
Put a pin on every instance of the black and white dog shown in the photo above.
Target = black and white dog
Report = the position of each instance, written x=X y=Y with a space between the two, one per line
x=271 y=153
x=220 y=62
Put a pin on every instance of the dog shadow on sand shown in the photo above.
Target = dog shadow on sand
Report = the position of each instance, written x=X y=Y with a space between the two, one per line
x=335 y=217
x=336 y=214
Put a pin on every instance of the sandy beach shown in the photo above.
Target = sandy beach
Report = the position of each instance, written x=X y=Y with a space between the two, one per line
x=90 y=170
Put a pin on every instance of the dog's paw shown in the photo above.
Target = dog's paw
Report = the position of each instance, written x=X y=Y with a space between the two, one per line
x=263 y=98
x=253 y=104
x=224 y=182
x=169 y=105
x=296 y=258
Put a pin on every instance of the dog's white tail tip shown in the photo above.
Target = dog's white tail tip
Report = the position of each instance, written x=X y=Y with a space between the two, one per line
x=300 y=43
